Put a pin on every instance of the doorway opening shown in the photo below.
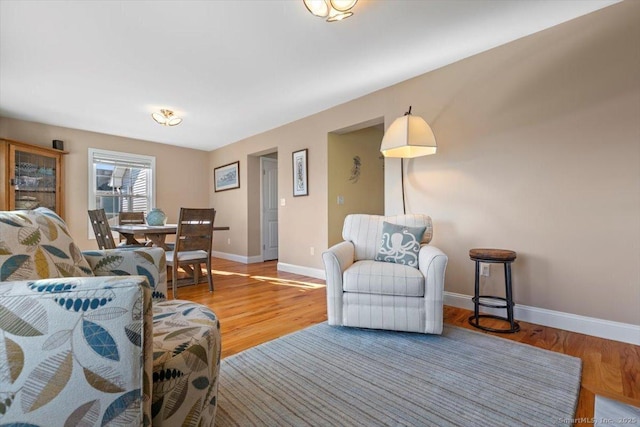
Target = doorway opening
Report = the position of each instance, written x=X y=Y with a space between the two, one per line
x=356 y=174
x=269 y=197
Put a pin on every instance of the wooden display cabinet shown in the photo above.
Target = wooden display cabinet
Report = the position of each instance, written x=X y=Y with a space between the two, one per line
x=31 y=176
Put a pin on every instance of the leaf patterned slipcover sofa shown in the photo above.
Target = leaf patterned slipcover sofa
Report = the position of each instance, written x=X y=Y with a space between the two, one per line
x=88 y=338
x=385 y=275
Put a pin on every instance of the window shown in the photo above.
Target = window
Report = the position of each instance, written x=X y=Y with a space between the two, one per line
x=120 y=182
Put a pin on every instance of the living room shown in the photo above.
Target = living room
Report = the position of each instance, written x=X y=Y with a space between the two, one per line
x=537 y=152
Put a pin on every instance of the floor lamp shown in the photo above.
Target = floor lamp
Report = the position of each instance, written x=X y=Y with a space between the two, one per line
x=408 y=137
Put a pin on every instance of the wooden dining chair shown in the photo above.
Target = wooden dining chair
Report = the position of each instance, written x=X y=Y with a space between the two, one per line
x=131 y=218
x=193 y=244
x=101 y=229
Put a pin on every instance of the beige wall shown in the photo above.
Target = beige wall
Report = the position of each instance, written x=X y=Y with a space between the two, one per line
x=254 y=205
x=364 y=195
x=182 y=179
x=538 y=152
x=240 y=208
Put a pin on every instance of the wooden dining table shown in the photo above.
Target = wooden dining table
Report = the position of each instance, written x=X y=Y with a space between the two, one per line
x=156 y=234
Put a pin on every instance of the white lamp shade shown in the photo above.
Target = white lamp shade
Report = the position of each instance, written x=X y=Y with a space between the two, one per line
x=159 y=118
x=343 y=5
x=335 y=16
x=317 y=7
x=408 y=136
x=174 y=121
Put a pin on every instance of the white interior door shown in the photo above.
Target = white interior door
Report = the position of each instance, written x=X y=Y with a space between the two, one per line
x=269 y=208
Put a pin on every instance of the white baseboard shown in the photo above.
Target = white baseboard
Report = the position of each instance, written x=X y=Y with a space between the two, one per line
x=237 y=258
x=555 y=319
x=607 y=329
x=255 y=259
x=316 y=273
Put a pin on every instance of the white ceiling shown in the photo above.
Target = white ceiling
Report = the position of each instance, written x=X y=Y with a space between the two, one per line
x=234 y=68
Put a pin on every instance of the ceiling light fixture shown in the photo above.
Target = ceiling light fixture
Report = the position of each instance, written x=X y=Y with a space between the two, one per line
x=333 y=10
x=166 y=118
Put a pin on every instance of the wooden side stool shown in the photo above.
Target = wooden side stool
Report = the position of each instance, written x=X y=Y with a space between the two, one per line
x=494 y=256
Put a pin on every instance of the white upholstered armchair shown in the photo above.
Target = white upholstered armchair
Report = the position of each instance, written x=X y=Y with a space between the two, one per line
x=384 y=276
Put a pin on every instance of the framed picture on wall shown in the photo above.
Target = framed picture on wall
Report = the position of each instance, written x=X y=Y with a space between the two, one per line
x=227 y=177
x=300 y=173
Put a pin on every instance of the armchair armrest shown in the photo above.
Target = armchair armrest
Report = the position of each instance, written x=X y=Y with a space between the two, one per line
x=432 y=263
x=143 y=261
x=76 y=351
x=336 y=260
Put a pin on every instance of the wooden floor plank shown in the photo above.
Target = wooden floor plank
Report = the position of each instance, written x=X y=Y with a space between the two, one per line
x=256 y=303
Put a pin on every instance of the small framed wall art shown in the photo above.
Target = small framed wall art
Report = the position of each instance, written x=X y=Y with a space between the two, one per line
x=227 y=177
x=300 y=173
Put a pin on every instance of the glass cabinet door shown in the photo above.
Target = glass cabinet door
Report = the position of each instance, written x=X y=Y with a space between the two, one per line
x=35 y=179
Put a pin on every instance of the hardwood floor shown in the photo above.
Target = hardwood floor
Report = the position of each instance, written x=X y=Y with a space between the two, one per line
x=256 y=303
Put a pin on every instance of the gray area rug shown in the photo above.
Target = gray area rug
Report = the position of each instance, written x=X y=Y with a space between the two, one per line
x=334 y=376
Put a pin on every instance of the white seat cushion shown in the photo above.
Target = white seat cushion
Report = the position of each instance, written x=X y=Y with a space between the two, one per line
x=383 y=278
x=186 y=256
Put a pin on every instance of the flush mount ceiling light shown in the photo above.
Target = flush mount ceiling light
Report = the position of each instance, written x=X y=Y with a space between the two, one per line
x=166 y=118
x=333 y=10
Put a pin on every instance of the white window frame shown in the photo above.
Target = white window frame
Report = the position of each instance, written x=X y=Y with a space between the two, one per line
x=116 y=156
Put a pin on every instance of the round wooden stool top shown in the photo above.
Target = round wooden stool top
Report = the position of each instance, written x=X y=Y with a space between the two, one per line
x=495 y=255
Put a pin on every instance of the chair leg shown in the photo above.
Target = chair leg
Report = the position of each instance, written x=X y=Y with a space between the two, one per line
x=174 y=281
x=196 y=273
x=476 y=297
x=209 y=275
